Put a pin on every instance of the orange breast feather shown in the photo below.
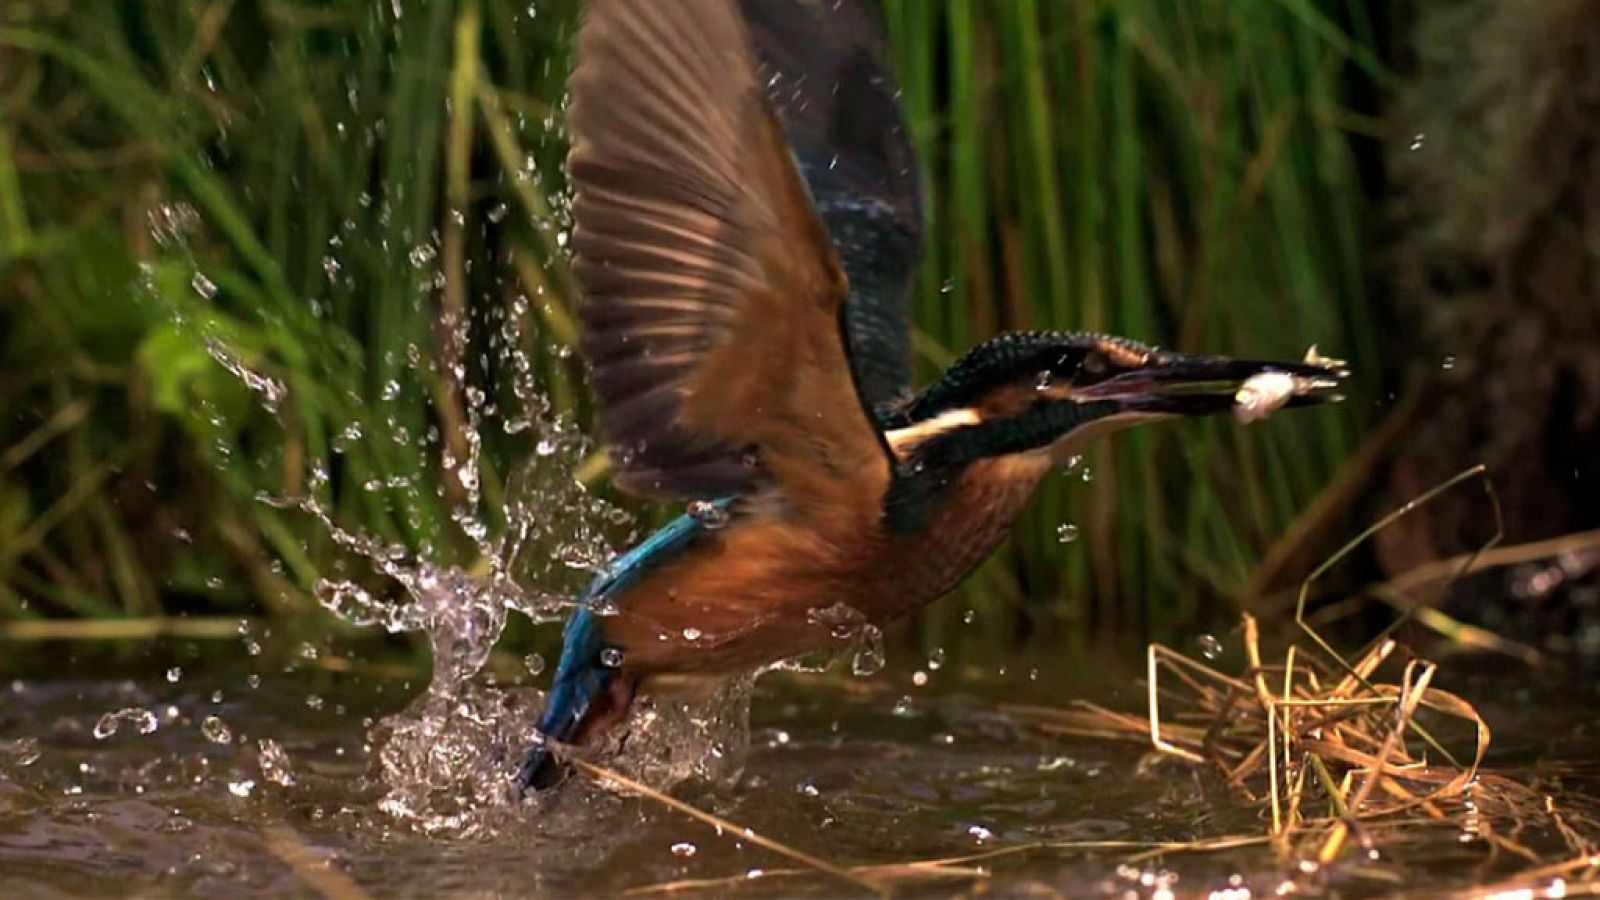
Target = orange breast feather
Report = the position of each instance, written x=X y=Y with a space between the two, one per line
x=765 y=589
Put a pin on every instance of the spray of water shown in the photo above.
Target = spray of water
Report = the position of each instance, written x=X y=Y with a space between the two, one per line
x=443 y=764
x=464 y=552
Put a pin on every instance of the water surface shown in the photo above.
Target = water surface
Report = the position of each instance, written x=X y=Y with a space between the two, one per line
x=223 y=776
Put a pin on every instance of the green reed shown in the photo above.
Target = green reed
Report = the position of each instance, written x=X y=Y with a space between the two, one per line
x=321 y=186
x=1171 y=170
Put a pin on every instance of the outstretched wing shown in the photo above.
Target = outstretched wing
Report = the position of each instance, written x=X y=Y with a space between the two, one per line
x=822 y=65
x=711 y=291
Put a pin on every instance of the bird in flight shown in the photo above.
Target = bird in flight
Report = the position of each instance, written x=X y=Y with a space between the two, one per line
x=747 y=218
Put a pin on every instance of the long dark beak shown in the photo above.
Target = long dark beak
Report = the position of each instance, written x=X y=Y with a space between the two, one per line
x=1194 y=385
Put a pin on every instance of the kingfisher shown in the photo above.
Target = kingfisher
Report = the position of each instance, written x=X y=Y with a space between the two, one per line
x=747 y=218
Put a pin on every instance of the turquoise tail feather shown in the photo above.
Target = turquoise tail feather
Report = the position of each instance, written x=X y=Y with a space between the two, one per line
x=592 y=682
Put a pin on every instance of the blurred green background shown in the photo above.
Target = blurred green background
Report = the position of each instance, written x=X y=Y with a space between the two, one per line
x=323 y=192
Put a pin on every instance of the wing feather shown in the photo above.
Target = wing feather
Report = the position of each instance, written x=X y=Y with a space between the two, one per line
x=712 y=293
x=822 y=64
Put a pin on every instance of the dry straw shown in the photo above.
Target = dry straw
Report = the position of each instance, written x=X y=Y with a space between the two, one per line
x=1337 y=754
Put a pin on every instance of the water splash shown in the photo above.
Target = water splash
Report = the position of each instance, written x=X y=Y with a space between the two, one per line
x=443 y=765
x=271 y=391
x=702 y=735
x=851 y=628
x=473 y=551
x=446 y=761
x=274 y=762
x=143 y=720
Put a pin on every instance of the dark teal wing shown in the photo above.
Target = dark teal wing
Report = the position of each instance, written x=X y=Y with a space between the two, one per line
x=822 y=64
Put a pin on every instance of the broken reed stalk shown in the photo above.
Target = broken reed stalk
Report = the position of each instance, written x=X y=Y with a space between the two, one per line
x=800 y=856
x=319 y=874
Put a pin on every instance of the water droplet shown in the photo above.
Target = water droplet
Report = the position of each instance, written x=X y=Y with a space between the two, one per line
x=1449 y=363
x=1210 y=647
x=611 y=657
x=968 y=617
x=936 y=659
x=684 y=849
x=143 y=720
x=842 y=620
x=274 y=762
x=1088 y=475
x=869 y=658
x=1043 y=380
x=919 y=678
x=1417 y=140
x=1066 y=533
x=979 y=833
x=174 y=675
x=23 y=751
x=692 y=634
x=242 y=788
x=534 y=663
x=711 y=516
x=216 y=731
x=345 y=440
x=271 y=391
x=203 y=286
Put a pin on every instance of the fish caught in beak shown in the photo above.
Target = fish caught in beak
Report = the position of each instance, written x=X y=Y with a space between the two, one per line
x=1193 y=385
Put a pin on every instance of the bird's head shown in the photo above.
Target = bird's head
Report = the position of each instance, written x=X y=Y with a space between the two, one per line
x=1043 y=394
